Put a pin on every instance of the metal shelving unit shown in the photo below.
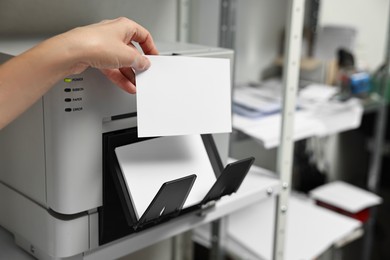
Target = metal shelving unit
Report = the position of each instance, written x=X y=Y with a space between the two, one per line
x=292 y=49
x=294 y=26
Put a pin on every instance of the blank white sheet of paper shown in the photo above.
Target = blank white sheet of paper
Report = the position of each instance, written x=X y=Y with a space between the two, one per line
x=181 y=95
x=148 y=164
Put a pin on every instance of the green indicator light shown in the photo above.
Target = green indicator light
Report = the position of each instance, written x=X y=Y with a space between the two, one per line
x=67 y=80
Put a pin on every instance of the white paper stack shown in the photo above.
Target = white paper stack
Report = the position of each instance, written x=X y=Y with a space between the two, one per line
x=345 y=196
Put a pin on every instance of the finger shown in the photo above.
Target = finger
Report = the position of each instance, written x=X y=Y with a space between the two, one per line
x=120 y=80
x=129 y=74
x=148 y=46
x=142 y=36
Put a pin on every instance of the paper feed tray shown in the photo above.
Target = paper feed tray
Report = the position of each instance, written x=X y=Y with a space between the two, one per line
x=148 y=164
x=142 y=170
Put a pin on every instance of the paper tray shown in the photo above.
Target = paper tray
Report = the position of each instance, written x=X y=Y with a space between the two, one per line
x=137 y=167
x=117 y=216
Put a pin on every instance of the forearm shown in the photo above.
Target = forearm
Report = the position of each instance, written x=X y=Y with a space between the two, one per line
x=25 y=78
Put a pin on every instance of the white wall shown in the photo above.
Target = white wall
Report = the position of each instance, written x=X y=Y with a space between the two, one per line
x=47 y=17
x=369 y=17
x=260 y=24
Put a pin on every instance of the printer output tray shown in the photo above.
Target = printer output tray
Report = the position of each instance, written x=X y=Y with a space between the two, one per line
x=117 y=216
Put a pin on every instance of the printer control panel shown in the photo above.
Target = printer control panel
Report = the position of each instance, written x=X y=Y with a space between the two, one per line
x=73 y=94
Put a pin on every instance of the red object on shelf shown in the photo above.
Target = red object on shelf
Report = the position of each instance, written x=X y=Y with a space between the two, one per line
x=362 y=215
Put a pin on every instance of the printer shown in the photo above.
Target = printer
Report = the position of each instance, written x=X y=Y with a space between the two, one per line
x=52 y=186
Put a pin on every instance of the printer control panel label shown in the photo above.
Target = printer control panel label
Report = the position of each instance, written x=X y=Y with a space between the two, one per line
x=73 y=95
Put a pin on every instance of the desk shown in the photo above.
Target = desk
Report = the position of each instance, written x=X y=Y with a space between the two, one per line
x=257 y=186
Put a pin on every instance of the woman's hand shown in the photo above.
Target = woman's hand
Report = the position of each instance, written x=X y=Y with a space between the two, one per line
x=108 y=46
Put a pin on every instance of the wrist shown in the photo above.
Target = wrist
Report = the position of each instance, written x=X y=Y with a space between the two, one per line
x=65 y=54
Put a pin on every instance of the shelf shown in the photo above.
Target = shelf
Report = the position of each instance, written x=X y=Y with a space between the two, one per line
x=311 y=230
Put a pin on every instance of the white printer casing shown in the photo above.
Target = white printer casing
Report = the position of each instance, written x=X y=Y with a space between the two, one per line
x=51 y=157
